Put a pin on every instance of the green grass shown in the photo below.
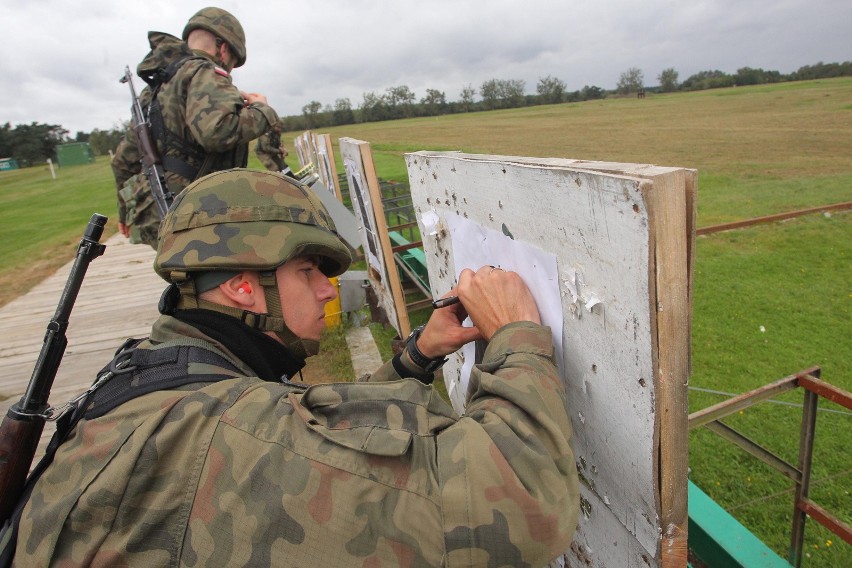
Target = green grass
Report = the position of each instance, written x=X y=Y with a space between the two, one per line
x=42 y=219
x=37 y=211
x=758 y=151
x=770 y=301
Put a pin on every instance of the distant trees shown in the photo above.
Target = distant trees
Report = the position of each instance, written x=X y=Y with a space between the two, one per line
x=434 y=103
x=34 y=143
x=551 y=90
x=822 y=71
x=466 y=98
x=668 y=80
x=31 y=143
x=590 y=93
x=631 y=81
x=373 y=108
x=749 y=76
x=400 y=101
x=500 y=93
x=102 y=141
x=342 y=113
x=311 y=113
x=707 y=80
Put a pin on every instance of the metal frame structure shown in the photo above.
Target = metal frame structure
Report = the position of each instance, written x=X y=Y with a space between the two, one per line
x=800 y=474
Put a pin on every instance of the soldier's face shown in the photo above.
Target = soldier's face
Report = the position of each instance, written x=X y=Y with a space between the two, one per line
x=304 y=291
x=226 y=56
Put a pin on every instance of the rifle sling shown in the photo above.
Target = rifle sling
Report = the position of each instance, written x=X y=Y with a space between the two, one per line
x=169 y=139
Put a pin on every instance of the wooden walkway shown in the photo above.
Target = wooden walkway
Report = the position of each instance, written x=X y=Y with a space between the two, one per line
x=118 y=299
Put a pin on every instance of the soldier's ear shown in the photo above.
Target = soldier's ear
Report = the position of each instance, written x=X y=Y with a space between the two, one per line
x=241 y=289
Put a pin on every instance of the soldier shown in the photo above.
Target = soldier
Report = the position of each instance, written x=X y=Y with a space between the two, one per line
x=201 y=121
x=203 y=450
x=271 y=152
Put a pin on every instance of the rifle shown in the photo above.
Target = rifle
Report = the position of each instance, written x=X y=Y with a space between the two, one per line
x=152 y=166
x=21 y=428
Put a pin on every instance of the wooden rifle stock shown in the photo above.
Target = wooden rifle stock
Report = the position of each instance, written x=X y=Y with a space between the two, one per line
x=22 y=427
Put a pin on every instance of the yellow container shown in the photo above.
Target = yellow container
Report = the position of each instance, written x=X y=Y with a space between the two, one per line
x=333 y=309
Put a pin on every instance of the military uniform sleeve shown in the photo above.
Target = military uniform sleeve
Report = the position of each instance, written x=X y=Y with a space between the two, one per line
x=383 y=374
x=217 y=116
x=509 y=486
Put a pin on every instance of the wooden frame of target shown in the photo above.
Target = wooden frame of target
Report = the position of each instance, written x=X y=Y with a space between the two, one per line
x=607 y=250
x=366 y=196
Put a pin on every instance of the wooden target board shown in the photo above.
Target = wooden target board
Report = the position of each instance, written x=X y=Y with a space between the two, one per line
x=607 y=249
x=366 y=198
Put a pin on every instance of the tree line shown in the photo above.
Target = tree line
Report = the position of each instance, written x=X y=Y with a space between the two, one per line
x=401 y=102
x=32 y=144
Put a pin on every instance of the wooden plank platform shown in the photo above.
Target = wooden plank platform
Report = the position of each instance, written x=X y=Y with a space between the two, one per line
x=118 y=300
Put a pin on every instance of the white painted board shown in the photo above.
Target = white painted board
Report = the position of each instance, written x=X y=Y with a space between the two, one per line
x=595 y=218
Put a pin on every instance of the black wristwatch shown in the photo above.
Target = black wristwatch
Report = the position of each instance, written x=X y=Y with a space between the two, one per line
x=426 y=363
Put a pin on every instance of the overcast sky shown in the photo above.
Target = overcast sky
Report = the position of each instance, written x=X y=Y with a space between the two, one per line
x=61 y=59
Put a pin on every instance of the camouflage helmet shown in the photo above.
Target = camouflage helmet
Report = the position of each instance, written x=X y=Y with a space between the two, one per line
x=244 y=219
x=222 y=24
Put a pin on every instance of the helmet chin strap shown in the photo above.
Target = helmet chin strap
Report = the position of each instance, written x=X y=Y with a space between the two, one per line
x=272 y=320
x=304 y=348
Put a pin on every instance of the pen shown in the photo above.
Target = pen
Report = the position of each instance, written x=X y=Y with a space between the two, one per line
x=444 y=302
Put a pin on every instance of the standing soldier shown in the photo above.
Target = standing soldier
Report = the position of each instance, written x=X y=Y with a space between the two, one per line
x=271 y=152
x=201 y=122
x=202 y=450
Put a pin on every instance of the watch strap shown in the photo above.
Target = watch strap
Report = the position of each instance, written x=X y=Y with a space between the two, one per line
x=428 y=364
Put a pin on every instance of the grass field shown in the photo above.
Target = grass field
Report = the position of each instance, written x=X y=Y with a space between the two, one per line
x=768 y=301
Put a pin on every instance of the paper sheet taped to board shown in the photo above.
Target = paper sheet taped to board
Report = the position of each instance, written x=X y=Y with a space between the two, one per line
x=475 y=246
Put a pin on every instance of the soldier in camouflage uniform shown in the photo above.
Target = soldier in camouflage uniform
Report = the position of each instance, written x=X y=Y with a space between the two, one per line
x=247 y=468
x=206 y=122
x=271 y=152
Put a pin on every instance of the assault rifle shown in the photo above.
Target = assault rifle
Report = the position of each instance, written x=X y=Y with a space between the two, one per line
x=24 y=422
x=152 y=166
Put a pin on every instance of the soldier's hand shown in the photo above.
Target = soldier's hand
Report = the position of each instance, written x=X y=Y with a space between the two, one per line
x=495 y=297
x=250 y=98
x=124 y=229
x=444 y=333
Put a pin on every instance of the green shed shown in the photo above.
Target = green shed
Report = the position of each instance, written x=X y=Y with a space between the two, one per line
x=74 y=154
x=8 y=164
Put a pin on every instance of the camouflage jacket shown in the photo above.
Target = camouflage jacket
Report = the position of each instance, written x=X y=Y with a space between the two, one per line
x=243 y=472
x=202 y=108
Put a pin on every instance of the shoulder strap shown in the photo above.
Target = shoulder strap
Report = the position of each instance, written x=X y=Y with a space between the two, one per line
x=169 y=139
x=160 y=75
x=141 y=371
